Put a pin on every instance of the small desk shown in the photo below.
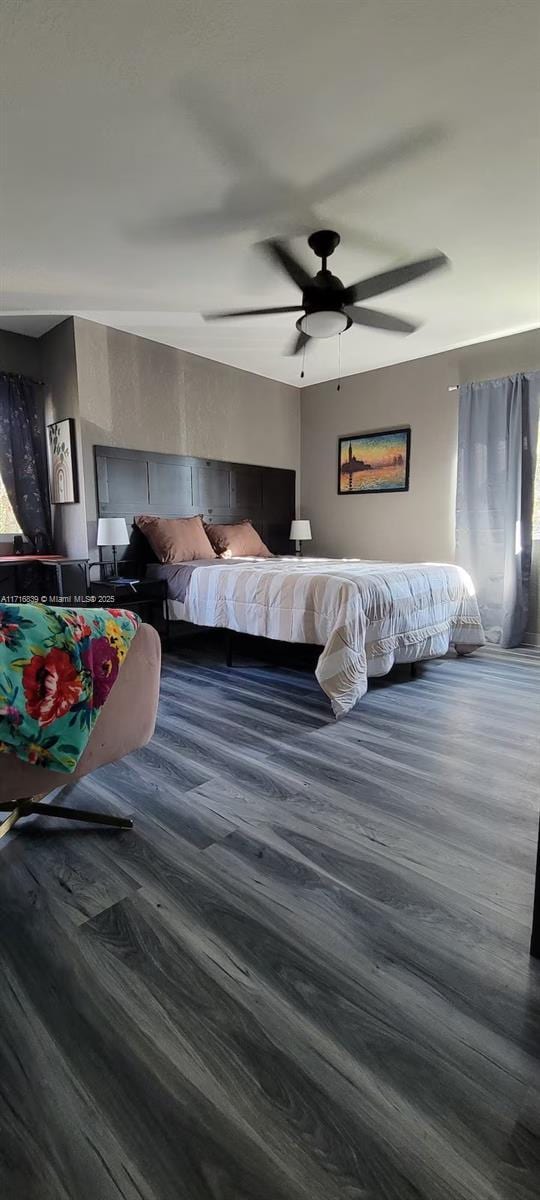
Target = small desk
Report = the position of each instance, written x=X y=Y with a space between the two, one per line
x=55 y=562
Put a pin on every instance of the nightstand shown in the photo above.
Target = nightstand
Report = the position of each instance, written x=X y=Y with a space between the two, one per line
x=143 y=596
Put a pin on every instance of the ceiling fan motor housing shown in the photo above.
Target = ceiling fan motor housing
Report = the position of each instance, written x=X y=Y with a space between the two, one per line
x=324 y=294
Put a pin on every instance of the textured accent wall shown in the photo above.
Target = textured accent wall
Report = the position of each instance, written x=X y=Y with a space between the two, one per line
x=146 y=396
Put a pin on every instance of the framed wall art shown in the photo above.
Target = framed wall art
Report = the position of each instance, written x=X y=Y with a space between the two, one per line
x=63 y=476
x=374 y=462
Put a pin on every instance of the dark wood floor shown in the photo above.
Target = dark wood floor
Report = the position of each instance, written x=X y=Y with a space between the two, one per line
x=305 y=974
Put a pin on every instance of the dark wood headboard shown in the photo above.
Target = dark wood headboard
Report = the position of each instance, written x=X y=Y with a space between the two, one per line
x=176 y=485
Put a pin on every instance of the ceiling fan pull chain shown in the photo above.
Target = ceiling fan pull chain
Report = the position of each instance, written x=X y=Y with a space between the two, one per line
x=303 y=361
x=339 y=364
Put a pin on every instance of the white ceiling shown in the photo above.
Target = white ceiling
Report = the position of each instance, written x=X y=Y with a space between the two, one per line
x=147 y=146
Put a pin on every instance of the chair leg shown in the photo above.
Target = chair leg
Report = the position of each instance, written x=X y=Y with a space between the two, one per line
x=10 y=821
x=81 y=814
x=30 y=806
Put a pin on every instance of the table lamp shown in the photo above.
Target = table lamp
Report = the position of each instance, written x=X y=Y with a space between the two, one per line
x=112 y=531
x=300 y=532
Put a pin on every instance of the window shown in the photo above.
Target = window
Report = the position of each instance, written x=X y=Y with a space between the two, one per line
x=8 y=523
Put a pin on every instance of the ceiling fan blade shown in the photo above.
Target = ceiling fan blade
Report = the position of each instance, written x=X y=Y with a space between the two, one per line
x=211 y=115
x=280 y=253
x=378 y=320
x=211 y=224
x=387 y=280
x=251 y=312
x=363 y=166
x=298 y=344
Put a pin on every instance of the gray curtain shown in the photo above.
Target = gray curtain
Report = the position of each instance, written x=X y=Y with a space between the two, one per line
x=498 y=430
x=23 y=465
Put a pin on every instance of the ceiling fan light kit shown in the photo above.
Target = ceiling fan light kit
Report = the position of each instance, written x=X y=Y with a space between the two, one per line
x=323 y=324
x=329 y=308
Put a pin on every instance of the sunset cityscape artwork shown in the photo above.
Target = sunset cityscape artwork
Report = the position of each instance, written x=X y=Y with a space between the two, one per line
x=374 y=462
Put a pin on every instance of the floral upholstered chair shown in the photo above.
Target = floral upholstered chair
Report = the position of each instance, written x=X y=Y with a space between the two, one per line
x=78 y=689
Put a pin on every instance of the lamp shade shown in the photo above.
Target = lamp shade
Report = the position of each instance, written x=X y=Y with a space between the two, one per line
x=300 y=531
x=112 y=531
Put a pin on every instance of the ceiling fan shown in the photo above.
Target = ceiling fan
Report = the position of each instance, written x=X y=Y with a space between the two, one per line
x=328 y=306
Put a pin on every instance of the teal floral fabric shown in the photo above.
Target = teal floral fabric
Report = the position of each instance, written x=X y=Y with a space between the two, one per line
x=57 y=667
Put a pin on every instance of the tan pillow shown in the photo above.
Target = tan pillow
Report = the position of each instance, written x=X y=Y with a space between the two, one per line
x=235 y=541
x=176 y=539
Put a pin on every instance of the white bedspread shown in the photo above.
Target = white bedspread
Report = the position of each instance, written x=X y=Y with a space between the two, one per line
x=366 y=615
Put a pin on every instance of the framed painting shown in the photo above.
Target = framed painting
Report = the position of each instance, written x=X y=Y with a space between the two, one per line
x=64 y=482
x=374 y=462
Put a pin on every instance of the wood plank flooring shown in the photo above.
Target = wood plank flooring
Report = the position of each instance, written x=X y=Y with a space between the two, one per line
x=304 y=975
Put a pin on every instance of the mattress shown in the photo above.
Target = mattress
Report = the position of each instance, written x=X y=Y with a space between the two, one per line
x=367 y=615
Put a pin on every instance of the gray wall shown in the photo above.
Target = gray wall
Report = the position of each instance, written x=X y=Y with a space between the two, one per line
x=146 y=396
x=124 y=390
x=20 y=355
x=418 y=524
x=127 y=391
x=59 y=370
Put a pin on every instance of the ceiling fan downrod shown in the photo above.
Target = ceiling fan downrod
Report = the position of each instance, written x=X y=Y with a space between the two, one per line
x=323 y=243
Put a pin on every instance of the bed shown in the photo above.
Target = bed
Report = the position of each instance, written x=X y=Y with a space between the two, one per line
x=366 y=615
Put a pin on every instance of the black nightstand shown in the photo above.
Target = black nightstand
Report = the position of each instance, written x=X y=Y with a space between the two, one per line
x=142 y=597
